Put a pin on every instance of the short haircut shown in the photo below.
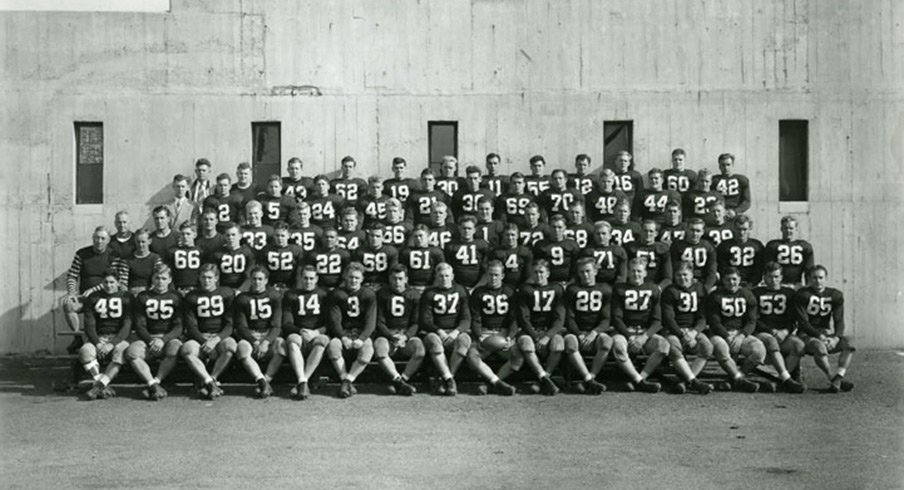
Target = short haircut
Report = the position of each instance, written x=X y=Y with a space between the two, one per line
x=704 y=173
x=607 y=172
x=654 y=171
x=274 y=178
x=537 y=158
x=428 y=171
x=558 y=171
x=180 y=178
x=374 y=179
x=280 y=225
x=491 y=156
x=678 y=151
x=788 y=219
x=495 y=263
x=623 y=153
x=726 y=156
x=224 y=176
x=353 y=267
x=485 y=200
x=467 y=218
x=817 y=267
x=393 y=202
x=557 y=218
x=101 y=229
x=161 y=209
x=321 y=177
x=516 y=175
x=374 y=227
x=509 y=226
x=202 y=162
x=253 y=204
x=473 y=169
x=729 y=271
x=348 y=158
x=111 y=272
x=208 y=267
x=545 y=263
x=696 y=221
x=582 y=156
x=637 y=261
x=143 y=232
x=260 y=269
x=295 y=160
x=650 y=222
x=308 y=268
x=602 y=225
x=397 y=160
x=349 y=211
x=772 y=266
x=162 y=269
x=398 y=268
x=440 y=206
x=743 y=219
x=684 y=266
x=243 y=166
x=583 y=261
x=188 y=225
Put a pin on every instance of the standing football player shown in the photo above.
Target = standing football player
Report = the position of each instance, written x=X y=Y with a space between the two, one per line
x=347 y=186
x=698 y=252
x=795 y=255
x=627 y=180
x=536 y=182
x=492 y=180
x=296 y=184
x=735 y=188
x=742 y=252
x=611 y=260
x=679 y=178
x=399 y=187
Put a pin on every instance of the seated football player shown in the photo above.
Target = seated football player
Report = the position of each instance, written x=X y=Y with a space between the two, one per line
x=158 y=324
x=233 y=261
x=123 y=241
x=698 y=252
x=163 y=239
x=536 y=182
x=396 y=333
x=258 y=320
x=673 y=228
x=350 y=237
x=420 y=259
x=302 y=231
x=651 y=202
x=396 y=230
x=185 y=260
x=587 y=310
x=304 y=328
x=492 y=180
x=534 y=231
x=611 y=260
x=399 y=187
x=775 y=326
x=373 y=205
x=624 y=229
x=601 y=201
x=560 y=252
x=627 y=180
x=209 y=237
x=282 y=258
x=448 y=180
x=208 y=330
x=735 y=188
x=467 y=254
x=581 y=180
x=511 y=206
x=493 y=326
x=578 y=229
x=328 y=259
x=347 y=185
x=697 y=202
x=296 y=185
x=445 y=324
x=719 y=229
x=108 y=322
x=352 y=320
x=324 y=205
x=516 y=258
x=255 y=234
x=421 y=203
x=657 y=254
x=558 y=197
x=488 y=229
x=820 y=324
x=540 y=314
x=275 y=205
x=376 y=258
x=465 y=199
x=742 y=252
x=684 y=323
x=679 y=178
x=140 y=266
x=731 y=313
x=795 y=255
x=637 y=318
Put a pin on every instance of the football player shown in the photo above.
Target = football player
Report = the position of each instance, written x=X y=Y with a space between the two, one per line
x=304 y=328
x=243 y=186
x=775 y=326
x=581 y=180
x=255 y=234
x=350 y=237
x=795 y=255
x=123 y=241
x=684 y=321
x=493 y=325
x=697 y=202
x=396 y=332
x=534 y=231
x=678 y=178
x=587 y=317
x=185 y=262
x=208 y=327
x=421 y=258
x=448 y=180
x=399 y=187
x=673 y=228
x=536 y=182
x=275 y=205
x=395 y=230
x=637 y=319
x=296 y=184
x=140 y=266
x=488 y=229
x=560 y=252
x=302 y=232
x=492 y=180
x=234 y=260
x=347 y=186
x=210 y=237
x=719 y=229
x=445 y=323
x=282 y=259
x=651 y=202
x=373 y=206
x=376 y=258
x=735 y=188
x=465 y=199
x=86 y=275
x=512 y=205
x=602 y=200
x=578 y=229
x=423 y=201
x=329 y=259
x=611 y=260
x=258 y=320
x=742 y=252
x=108 y=322
x=515 y=258
x=557 y=199
x=624 y=229
x=324 y=206
x=731 y=314
x=163 y=240
x=540 y=315
x=698 y=252
x=224 y=202
x=352 y=320
x=820 y=322
x=467 y=254
x=656 y=254
x=627 y=180
x=441 y=229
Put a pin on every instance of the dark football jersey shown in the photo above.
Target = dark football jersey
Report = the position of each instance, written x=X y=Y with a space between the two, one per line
x=465 y=200
x=163 y=246
x=681 y=181
x=630 y=182
x=611 y=261
x=420 y=206
x=298 y=189
x=747 y=257
x=489 y=232
x=467 y=260
x=257 y=312
x=350 y=190
x=257 y=237
x=716 y=233
x=531 y=236
x=795 y=257
x=372 y=208
x=492 y=310
x=601 y=204
x=698 y=203
x=701 y=255
x=727 y=311
x=352 y=313
x=351 y=240
x=439 y=236
x=587 y=307
x=670 y=233
x=558 y=201
x=776 y=311
x=516 y=263
x=624 y=233
x=157 y=314
x=659 y=260
x=497 y=184
x=536 y=184
x=580 y=233
x=651 y=203
x=303 y=310
x=376 y=262
x=636 y=307
x=324 y=209
x=234 y=265
x=683 y=307
x=276 y=208
x=561 y=257
x=140 y=269
x=246 y=194
x=449 y=185
x=228 y=208
x=208 y=312
x=511 y=208
x=420 y=263
x=329 y=265
x=209 y=245
x=585 y=184
x=445 y=309
x=817 y=311
x=400 y=189
x=396 y=234
x=186 y=265
x=541 y=310
x=397 y=312
x=307 y=237
x=282 y=263
x=111 y=314
x=735 y=189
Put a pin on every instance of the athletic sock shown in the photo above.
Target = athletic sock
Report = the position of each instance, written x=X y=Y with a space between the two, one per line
x=104 y=379
x=589 y=377
x=153 y=382
x=841 y=372
x=784 y=375
x=494 y=380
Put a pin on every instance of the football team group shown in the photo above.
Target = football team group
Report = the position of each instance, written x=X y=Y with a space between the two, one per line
x=524 y=268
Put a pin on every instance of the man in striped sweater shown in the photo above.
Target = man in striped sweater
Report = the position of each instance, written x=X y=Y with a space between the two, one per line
x=86 y=276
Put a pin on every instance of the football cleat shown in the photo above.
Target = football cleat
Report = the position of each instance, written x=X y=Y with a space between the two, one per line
x=345 y=389
x=161 y=392
x=301 y=391
x=580 y=388
x=263 y=388
x=548 y=387
x=699 y=387
x=647 y=386
x=840 y=384
x=679 y=389
x=503 y=388
x=745 y=385
x=594 y=387
x=403 y=388
x=211 y=390
x=151 y=392
x=766 y=387
x=792 y=386
x=108 y=392
x=450 y=388
x=96 y=390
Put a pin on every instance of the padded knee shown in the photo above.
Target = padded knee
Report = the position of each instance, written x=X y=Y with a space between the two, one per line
x=320 y=341
x=190 y=348
x=136 y=350
x=602 y=342
x=172 y=348
x=294 y=339
x=620 y=348
x=659 y=345
x=366 y=352
x=227 y=346
x=704 y=347
x=816 y=348
x=675 y=345
x=243 y=349
x=570 y=343
x=87 y=353
x=462 y=344
x=720 y=349
x=334 y=349
x=381 y=348
x=755 y=350
x=792 y=345
x=556 y=343
x=433 y=344
x=769 y=342
x=417 y=348
x=526 y=344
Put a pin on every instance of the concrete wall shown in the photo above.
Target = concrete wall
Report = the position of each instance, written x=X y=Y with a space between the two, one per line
x=539 y=76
